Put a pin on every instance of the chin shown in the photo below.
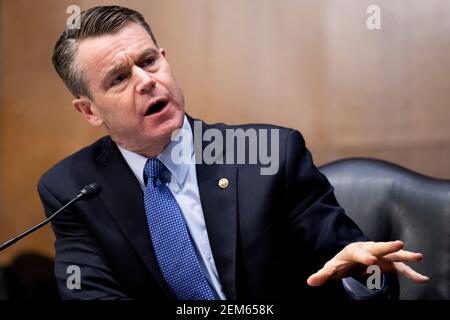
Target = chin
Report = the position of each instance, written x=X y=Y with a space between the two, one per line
x=172 y=123
x=167 y=127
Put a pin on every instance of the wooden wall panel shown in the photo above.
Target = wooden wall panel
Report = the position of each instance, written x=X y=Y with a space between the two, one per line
x=311 y=65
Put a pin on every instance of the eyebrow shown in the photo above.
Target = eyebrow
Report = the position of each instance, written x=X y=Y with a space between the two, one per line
x=109 y=73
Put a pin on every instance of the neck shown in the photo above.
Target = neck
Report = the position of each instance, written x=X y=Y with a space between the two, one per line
x=151 y=151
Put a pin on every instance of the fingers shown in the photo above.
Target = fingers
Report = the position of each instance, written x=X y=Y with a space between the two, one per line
x=321 y=276
x=359 y=254
x=317 y=279
x=405 y=256
x=410 y=273
x=383 y=248
x=389 y=255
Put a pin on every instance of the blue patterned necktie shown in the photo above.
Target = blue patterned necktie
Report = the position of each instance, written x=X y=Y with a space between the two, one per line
x=170 y=238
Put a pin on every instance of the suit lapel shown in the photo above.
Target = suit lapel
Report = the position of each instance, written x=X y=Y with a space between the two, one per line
x=220 y=212
x=123 y=197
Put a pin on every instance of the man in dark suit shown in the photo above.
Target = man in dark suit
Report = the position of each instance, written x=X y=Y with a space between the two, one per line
x=217 y=228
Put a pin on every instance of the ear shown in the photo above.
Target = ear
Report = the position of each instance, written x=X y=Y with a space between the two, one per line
x=88 y=110
x=162 y=51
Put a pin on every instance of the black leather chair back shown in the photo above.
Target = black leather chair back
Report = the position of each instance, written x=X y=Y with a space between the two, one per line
x=390 y=202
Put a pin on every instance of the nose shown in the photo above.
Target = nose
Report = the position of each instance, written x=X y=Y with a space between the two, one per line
x=146 y=82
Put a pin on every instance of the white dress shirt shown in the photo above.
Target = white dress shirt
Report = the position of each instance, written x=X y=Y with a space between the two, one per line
x=184 y=187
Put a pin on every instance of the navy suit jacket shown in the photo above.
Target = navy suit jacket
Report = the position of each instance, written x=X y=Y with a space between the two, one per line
x=268 y=233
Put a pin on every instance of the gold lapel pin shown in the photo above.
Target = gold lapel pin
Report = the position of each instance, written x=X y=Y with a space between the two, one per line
x=223 y=183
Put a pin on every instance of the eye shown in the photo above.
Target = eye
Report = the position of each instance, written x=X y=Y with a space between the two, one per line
x=148 y=62
x=119 y=79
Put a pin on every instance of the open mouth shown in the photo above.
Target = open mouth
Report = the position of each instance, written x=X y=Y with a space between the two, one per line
x=156 y=107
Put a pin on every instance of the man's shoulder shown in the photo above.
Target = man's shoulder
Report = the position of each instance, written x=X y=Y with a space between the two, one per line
x=81 y=162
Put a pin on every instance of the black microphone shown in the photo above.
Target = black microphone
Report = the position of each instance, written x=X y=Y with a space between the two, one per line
x=88 y=192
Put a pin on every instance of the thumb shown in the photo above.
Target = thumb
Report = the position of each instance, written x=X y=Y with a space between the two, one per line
x=319 y=278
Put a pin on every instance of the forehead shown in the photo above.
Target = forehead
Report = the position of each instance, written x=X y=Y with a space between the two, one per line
x=97 y=54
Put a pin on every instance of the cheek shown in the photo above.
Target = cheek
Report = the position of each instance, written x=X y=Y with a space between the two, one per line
x=122 y=105
x=169 y=81
x=175 y=91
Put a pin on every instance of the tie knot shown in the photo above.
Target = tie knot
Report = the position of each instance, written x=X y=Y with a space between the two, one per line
x=154 y=168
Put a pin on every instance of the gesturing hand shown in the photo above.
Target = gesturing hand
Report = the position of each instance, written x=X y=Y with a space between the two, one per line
x=389 y=256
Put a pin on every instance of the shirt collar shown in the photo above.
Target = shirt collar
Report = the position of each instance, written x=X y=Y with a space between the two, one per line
x=176 y=156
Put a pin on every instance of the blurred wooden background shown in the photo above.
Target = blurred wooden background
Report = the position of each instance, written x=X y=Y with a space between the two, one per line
x=312 y=65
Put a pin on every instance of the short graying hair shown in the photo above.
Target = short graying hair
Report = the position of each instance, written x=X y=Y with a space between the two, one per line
x=95 y=21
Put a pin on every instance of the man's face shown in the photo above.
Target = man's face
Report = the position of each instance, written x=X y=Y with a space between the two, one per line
x=133 y=90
